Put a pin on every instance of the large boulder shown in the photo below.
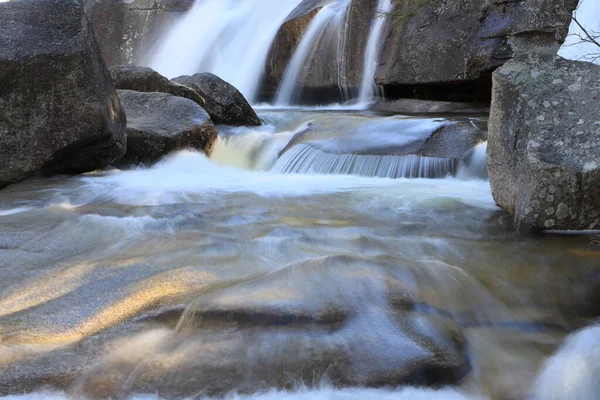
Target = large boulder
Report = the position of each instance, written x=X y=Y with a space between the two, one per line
x=144 y=79
x=462 y=41
x=127 y=30
x=158 y=123
x=225 y=104
x=544 y=143
x=337 y=57
x=59 y=111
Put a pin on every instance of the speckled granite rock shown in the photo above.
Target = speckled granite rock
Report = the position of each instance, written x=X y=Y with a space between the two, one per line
x=544 y=143
x=158 y=123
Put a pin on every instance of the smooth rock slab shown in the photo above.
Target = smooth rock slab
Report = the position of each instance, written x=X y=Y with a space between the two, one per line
x=59 y=111
x=158 y=123
x=544 y=143
x=224 y=103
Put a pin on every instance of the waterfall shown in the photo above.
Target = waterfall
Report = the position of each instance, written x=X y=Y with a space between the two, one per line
x=588 y=15
x=306 y=159
x=368 y=88
x=329 y=23
x=229 y=38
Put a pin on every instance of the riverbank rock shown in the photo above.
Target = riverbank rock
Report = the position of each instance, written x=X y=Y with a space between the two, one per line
x=458 y=42
x=127 y=30
x=158 y=123
x=544 y=143
x=416 y=106
x=223 y=102
x=59 y=111
x=143 y=79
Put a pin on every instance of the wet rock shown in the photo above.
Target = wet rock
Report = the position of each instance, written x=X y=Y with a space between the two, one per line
x=336 y=318
x=416 y=106
x=400 y=137
x=225 y=104
x=158 y=123
x=127 y=29
x=143 y=79
x=544 y=146
x=285 y=43
x=327 y=69
x=453 y=42
x=59 y=111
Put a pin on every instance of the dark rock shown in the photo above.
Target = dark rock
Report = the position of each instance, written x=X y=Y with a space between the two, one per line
x=328 y=73
x=544 y=143
x=225 y=104
x=283 y=48
x=127 y=30
x=458 y=41
x=143 y=79
x=158 y=123
x=59 y=111
x=415 y=106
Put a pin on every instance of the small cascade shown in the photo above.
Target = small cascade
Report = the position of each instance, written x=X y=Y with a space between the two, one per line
x=227 y=37
x=328 y=28
x=588 y=15
x=474 y=164
x=306 y=159
x=368 y=88
x=254 y=149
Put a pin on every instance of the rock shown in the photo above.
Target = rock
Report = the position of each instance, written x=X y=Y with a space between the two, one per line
x=286 y=41
x=416 y=106
x=225 y=104
x=399 y=137
x=158 y=123
x=127 y=30
x=324 y=73
x=544 y=143
x=59 y=111
x=458 y=42
x=143 y=79
x=309 y=321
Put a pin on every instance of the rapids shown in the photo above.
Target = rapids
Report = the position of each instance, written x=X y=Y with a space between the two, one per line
x=207 y=277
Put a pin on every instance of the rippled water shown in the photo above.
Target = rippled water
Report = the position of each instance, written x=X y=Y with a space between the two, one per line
x=199 y=277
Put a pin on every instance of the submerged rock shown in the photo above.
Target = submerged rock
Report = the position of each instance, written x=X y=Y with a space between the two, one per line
x=337 y=318
x=225 y=104
x=128 y=29
x=544 y=143
x=143 y=79
x=59 y=111
x=393 y=148
x=158 y=123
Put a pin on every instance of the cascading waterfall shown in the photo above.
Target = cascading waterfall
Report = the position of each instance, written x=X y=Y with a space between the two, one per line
x=368 y=88
x=306 y=159
x=588 y=15
x=330 y=23
x=227 y=37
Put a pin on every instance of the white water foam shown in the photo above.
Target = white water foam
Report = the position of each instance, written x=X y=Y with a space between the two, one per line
x=325 y=393
x=573 y=373
x=229 y=38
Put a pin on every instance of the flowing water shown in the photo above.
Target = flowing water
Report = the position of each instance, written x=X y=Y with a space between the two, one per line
x=210 y=277
x=326 y=32
x=230 y=38
x=368 y=88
